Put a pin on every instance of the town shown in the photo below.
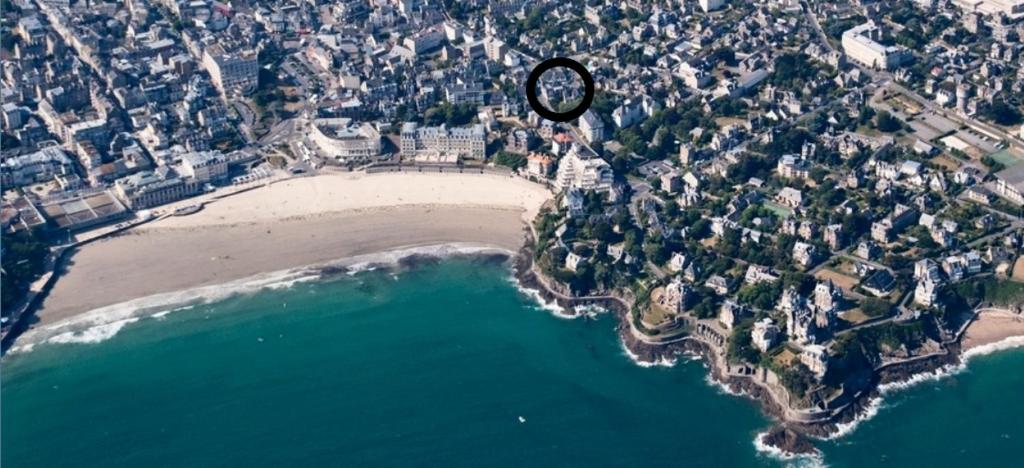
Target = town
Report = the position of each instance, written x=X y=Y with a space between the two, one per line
x=816 y=191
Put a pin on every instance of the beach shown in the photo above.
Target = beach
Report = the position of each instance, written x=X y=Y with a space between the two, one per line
x=294 y=223
x=992 y=327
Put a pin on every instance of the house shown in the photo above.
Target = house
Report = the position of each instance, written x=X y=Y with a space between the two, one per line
x=790 y=197
x=867 y=250
x=815 y=357
x=574 y=261
x=791 y=166
x=834 y=236
x=539 y=165
x=765 y=334
x=719 y=284
x=880 y=283
x=678 y=261
x=804 y=254
x=675 y=296
x=759 y=274
x=592 y=127
x=730 y=314
x=574 y=202
x=926 y=293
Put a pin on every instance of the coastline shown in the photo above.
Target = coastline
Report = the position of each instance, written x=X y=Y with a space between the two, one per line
x=286 y=225
x=267 y=230
x=102 y=323
x=283 y=246
x=788 y=440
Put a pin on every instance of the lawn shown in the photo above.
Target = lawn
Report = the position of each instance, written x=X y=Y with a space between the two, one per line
x=1007 y=157
x=778 y=209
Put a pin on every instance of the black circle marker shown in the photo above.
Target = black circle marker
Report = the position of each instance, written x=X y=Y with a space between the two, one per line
x=588 y=89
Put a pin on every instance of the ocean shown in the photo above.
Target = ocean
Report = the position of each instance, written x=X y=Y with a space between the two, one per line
x=443 y=364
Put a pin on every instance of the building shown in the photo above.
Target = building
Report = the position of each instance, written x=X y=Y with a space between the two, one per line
x=424 y=41
x=711 y=5
x=926 y=293
x=443 y=144
x=1013 y=9
x=804 y=254
x=232 y=72
x=693 y=77
x=344 y=141
x=676 y=295
x=793 y=167
x=861 y=45
x=592 y=127
x=575 y=171
x=539 y=164
x=759 y=274
x=815 y=357
x=205 y=166
x=765 y=334
x=1010 y=184
x=32 y=168
x=83 y=211
x=730 y=314
x=151 y=188
x=790 y=197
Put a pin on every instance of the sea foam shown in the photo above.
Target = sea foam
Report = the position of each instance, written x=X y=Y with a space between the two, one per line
x=791 y=459
x=662 y=361
x=105 y=322
x=941 y=373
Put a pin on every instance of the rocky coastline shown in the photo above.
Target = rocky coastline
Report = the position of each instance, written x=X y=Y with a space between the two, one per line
x=792 y=438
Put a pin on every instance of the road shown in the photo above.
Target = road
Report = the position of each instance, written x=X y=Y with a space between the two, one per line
x=813 y=19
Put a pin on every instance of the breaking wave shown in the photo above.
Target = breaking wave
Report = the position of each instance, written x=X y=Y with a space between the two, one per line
x=103 y=323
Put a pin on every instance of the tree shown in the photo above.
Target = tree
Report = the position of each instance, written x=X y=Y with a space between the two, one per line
x=873 y=307
x=24 y=260
x=741 y=347
x=513 y=160
x=885 y=122
x=1002 y=113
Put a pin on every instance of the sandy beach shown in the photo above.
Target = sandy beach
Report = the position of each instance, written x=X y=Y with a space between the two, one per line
x=298 y=222
x=992 y=327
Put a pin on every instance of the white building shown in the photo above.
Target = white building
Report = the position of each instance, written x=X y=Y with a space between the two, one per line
x=443 y=144
x=711 y=5
x=32 y=168
x=205 y=166
x=926 y=293
x=815 y=357
x=1013 y=9
x=592 y=127
x=583 y=173
x=861 y=45
x=344 y=141
x=1010 y=184
x=693 y=77
x=232 y=72
x=764 y=334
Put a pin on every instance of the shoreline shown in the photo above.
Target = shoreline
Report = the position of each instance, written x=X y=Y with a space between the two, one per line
x=789 y=440
x=299 y=234
x=785 y=440
x=102 y=323
x=288 y=224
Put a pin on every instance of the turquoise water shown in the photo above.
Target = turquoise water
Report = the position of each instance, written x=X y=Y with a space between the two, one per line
x=433 y=367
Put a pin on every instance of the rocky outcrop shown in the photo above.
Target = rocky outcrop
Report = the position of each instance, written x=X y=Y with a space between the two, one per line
x=789 y=441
